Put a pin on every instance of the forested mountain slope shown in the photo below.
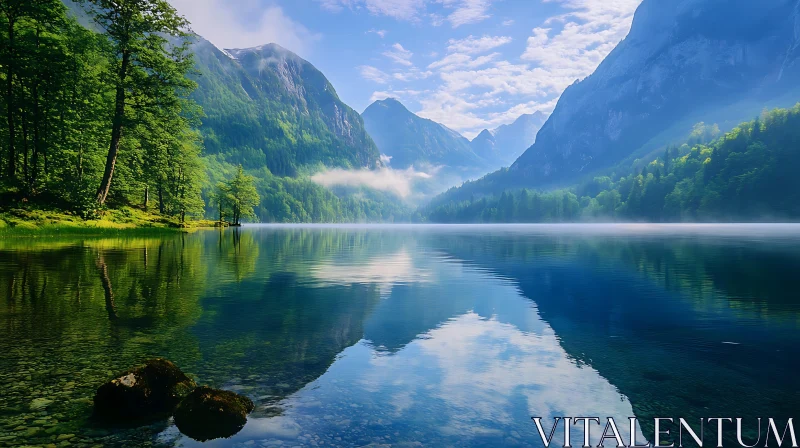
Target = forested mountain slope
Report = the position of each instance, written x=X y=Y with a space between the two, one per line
x=695 y=60
x=266 y=106
x=748 y=174
x=683 y=62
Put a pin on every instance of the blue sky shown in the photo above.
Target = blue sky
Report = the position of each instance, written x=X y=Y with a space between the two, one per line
x=469 y=64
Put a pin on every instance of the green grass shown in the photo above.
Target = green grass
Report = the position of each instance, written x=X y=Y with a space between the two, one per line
x=37 y=222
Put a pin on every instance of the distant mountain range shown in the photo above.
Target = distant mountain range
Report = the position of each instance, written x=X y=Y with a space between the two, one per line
x=414 y=141
x=503 y=145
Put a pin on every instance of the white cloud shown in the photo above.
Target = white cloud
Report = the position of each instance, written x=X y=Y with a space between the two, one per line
x=461 y=60
x=399 y=182
x=399 y=55
x=437 y=20
x=465 y=113
x=248 y=25
x=463 y=11
x=381 y=33
x=476 y=45
x=399 y=9
x=382 y=95
x=588 y=34
x=467 y=11
x=373 y=74
x=564 y=48
x=505 y=77
x=475 y=83
x=412 y=74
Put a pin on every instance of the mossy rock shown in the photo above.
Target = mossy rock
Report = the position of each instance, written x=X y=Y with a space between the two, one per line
x=207 y=413
x=148 y=391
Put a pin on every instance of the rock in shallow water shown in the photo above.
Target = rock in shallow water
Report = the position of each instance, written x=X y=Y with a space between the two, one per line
x=143 y=392
x=40 y=403
x=208 y=413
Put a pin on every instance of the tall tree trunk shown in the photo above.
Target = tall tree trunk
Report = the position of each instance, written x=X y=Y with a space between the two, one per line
x=182 y=196
x=25 y=169
x=43 y=141
x=36 y=121
x=146 y=196
x=160 y=198
x=116 y=130
x=12 y=155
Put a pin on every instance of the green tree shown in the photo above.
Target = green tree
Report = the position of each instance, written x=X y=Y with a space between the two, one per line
x=31 y=57
x=237 y=197
x=148 y=70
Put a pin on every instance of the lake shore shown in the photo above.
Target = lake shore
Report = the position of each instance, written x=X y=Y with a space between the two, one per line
x=37 y=222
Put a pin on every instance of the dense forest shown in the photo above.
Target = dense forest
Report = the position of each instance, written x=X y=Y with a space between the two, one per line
x=96 y=120
x=104 y=118
x=747 y=174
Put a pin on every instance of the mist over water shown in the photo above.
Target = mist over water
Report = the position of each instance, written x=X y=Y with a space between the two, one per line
x=439 y=335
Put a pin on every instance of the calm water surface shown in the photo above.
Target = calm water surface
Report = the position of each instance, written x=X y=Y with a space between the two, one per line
x=439 y=336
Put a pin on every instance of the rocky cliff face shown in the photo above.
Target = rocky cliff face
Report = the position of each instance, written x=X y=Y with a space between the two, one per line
x=301 y=85
x=268 y=106
x=684 y=61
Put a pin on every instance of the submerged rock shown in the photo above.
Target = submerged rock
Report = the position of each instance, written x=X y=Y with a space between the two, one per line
x=40 y=403
x=208 y=413
x=145 y=391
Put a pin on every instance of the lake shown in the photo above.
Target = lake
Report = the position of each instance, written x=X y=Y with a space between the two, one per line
x=406 y=335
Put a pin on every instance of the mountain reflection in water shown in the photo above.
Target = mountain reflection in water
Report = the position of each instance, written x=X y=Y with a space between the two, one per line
x=402 y=334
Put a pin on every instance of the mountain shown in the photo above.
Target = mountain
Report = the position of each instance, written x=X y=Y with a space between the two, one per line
x=503 y=145
x=412 y=140
x=266 y=106
x=683 y=62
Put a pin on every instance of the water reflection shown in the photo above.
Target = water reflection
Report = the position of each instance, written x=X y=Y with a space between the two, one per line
x=402 y=335
x=683 y=326
x=473 y=378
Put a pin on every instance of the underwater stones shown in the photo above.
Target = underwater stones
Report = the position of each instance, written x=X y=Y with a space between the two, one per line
x=40 y=403
x=208 y=413
x=146 y=391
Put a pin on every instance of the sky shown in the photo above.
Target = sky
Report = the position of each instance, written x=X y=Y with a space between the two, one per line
x=468 y=64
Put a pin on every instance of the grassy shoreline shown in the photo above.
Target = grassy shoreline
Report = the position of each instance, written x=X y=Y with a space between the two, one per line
x=41 y=223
